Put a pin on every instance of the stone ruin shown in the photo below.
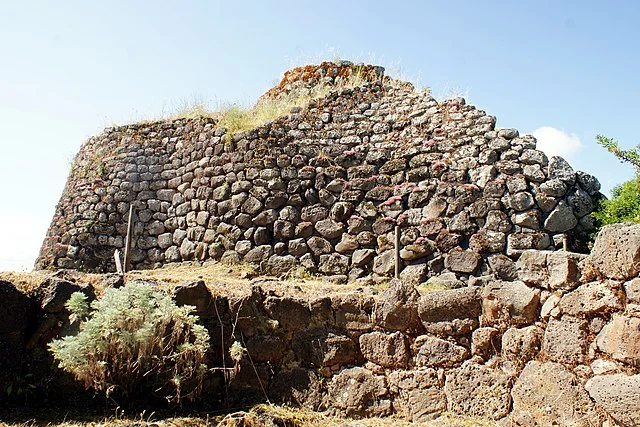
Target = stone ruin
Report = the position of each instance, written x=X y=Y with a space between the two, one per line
x=323 y=188
x=555 y=343
x=518 y=329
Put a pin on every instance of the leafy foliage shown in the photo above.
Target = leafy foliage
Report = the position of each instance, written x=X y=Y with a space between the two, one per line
x=136 y=343
x=624 y=205
x=631 y=156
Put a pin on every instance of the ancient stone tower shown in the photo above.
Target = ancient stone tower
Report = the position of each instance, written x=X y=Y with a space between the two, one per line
x=323 y=187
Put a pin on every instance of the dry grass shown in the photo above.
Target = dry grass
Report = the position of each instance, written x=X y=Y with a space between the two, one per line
x=265 y=416
x=236 y=119
x=222 y=279
x=270 y=415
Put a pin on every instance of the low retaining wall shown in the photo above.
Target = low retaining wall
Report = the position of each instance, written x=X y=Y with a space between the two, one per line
x=555 y=343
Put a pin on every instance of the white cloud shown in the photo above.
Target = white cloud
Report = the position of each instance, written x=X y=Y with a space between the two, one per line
x=556 y=142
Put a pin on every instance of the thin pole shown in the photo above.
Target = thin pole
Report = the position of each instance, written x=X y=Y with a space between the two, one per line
x=397 y=250
x=127 y=244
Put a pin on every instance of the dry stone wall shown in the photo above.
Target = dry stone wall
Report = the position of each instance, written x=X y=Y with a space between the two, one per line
x=323 y=188
x=557 y=344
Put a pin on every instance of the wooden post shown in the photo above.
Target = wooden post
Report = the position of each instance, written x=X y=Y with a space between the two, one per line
x=127 y=243
x=397 y=250
x=565 y=243
x=116 y=257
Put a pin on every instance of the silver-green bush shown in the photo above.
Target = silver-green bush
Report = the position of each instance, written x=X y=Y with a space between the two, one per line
x=136 y=342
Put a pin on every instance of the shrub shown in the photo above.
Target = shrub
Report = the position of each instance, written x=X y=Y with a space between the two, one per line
x=136 y=343
x=623 y=206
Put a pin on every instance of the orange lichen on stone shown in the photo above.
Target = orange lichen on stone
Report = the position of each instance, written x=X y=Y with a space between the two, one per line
x=312 y=75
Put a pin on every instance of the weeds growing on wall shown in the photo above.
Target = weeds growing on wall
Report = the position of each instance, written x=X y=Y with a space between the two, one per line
x=135 y=343
x=239 y=119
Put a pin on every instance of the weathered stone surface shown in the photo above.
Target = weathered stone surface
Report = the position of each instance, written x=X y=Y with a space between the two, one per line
x=519 y=242
x=565 y=340
x=483 y=342
x=197 y=295
x=478 y=390
x=563 y=269
x=431 y=351
x=462 y=261
x=259 y=254
x=532 y=267
x=547 y=394
x=56 y=292
x=487 y=241
x=319 y=347
x=593 y=298
x=561 y=219
x=445 y=281
x=439 y=306
x=329 y=229
x=266 y=348
x=509 y=303
x=387 y=350
x=333 y=264
x=414 y=274
x=521 y=345
x=280 y=265
x=559 y=169
x=384 y=264
x=616 y=251
x=353 y=312
x=418 y=394
x=632 y=290
x=618 y=395
x=503 y=267
x=357 y=392
x=291 y=314
x=620 y=339
x=297 y=385
x=397 y=307
x=362 y=257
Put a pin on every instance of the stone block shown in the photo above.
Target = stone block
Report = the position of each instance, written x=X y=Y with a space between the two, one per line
x=616 y=251
x=387 y=350
x=618 y=395
x=478 y=390
x=547 y=394
x=509 y=303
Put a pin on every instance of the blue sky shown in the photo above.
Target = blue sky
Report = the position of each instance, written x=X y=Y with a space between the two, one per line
x=564 y=71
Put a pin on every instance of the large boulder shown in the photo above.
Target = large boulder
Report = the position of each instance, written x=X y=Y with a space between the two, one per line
x=387 y=350
x=478 y=390
x=357 y=392
x=55 y=292
x=565 y=340
x=548 y=394
x=616 y=251
x=450 y=312
x=620 y=339
x=196 y=294
x=618 y=395
x=397 y=307
x=593 y=298
x=418 y=394
x=431 y=351
x=509 y=303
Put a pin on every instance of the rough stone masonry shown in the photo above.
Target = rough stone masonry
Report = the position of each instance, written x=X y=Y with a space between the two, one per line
x=323 y=188
x=556 y=344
